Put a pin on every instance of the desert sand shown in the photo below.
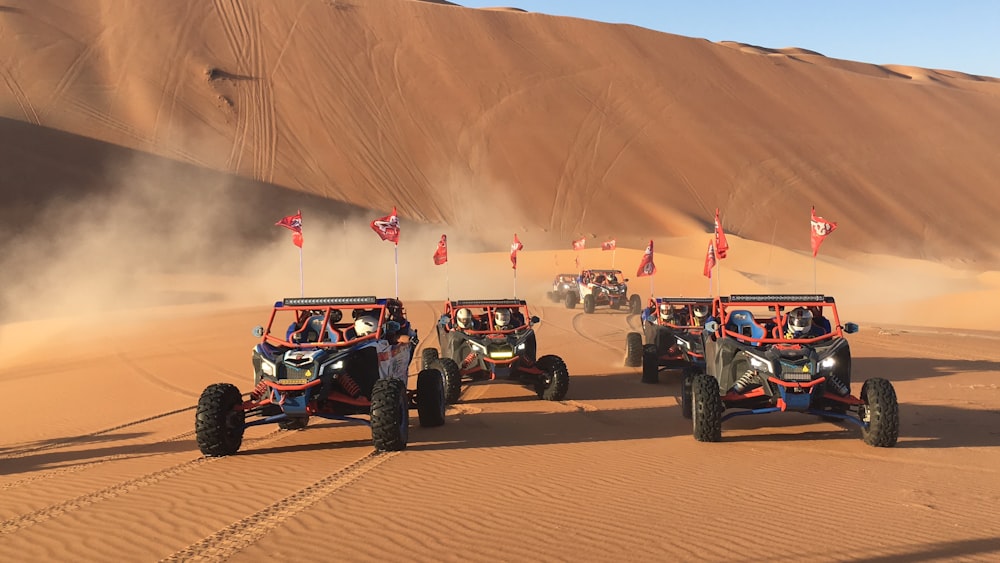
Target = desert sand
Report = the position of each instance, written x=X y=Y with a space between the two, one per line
x=147 y=150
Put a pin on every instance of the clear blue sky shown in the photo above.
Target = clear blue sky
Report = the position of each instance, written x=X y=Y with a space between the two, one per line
x=962 y=35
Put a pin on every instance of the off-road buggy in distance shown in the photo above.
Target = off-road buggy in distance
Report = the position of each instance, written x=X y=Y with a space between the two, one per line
x=755 y=363
x=671 y=340
x=603 y=288
x=340 y=358
x=490 y=339
x=561 y=285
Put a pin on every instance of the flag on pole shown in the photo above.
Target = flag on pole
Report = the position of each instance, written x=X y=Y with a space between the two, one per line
x=387 y=228
x=709 y=260
x=647 y=267
x=608 y=244
x=820 y=229
x=294 y=224
x=721 y=246
x=441 y=254
x=580 y=243
x=514 y=247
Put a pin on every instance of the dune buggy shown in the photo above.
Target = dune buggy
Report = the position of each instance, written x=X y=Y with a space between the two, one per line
x=561 y=285
x=756 y=365
x=475 y=347
x=341 y=358
x=671 y=340
x=602 y=288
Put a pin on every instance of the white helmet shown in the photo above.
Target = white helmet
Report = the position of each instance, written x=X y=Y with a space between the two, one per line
x=463 y=318
x=666 y=314
x=800 y=319
x=365 y=325
x=502 y=317
x=701 y=311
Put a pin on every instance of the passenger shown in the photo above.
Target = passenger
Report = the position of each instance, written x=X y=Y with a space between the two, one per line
x=464 y=320
x=799 y=324
x=501 y=319
x=700 y=315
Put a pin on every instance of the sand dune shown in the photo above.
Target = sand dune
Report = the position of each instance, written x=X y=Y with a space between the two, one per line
x=149 y=148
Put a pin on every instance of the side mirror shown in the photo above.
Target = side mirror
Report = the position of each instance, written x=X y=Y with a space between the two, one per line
x=535 y=320
x=258 y=331
x=850 y=328
x=712 y=326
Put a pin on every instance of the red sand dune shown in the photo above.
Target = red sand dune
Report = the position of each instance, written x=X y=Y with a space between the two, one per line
x=149 y=147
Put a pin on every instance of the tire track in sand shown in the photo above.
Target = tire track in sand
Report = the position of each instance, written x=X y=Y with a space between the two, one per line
x=233 y=538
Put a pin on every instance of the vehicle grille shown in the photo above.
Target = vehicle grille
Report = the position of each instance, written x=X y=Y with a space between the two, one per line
x=798 y=371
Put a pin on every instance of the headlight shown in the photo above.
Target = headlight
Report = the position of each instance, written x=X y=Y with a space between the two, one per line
x=267 y=368
x=759 y=364
x=477 y=346
x=520 y=347
x=339 y=364
x=827 y=363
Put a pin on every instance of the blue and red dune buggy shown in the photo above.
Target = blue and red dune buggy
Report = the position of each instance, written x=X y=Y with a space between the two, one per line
x=671 y=340
x=474 y=346
x=760 y=359
x=341 y=358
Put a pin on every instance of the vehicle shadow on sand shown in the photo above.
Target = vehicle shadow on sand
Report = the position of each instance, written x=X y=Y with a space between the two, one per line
x=909 y=369
x=61 y=459
x=610 y=386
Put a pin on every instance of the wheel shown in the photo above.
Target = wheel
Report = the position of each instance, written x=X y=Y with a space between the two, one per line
x=616 y=305
x=633 y=349
x=635 y=304
x=650 y=364
x=430 y=397
x=390 y=415
x=219 y=421
x=297 y=423
x=427 y=357
x=880 y=412
x=571 y=300
x=589 y=303
x=686 y=387
x=706 y=408
x=555 y=379
x=452 y=379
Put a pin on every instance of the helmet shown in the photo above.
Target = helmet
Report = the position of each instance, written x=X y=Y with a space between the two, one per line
x=464 y=318
x=666 y=313
x=336 y=315
x=502 y=317
x=800 y=319
x=365 y=325
x=700 y=311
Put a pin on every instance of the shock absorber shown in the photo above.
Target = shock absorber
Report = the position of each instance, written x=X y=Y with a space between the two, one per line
x=837 y=385
x=258 y=391
x=745 y=380
x=350 y=386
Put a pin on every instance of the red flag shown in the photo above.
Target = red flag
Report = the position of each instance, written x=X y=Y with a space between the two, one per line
x=646 y=267
x=709 y=260
x=514 y=247
x=580 y=243
x=820 y=229
x=441 y=254
x=608 y=244
x=294 y=224
x=387 y=228
x=721 y=246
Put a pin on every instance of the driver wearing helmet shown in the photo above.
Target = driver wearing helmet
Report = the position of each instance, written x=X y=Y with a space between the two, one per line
x=501 y=319
x=365 y=325
x=799 y=324
x=700 y=314
x=464 y=320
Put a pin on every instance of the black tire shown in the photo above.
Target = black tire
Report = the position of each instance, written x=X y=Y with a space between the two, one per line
x=635 y=304
x=555 y=378
x=452 y=379
x=616 y=305
x=706 y=408
x=633 y=349
x=427 y=357
x=430 y=397
x=589 y=303
x=218 y=421
x=390 y=415
x=687 y=384
x=881 y=412
x=297 y=423
x=650 y=364
x=571 y=300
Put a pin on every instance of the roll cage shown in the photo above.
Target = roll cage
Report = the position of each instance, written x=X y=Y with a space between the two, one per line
x=762 y=319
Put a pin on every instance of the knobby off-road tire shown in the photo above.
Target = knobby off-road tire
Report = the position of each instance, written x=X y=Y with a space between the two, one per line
x=218 y=421
x=589 y=303
x=554 y=382
x=427 y=357
x=687 y=383
x=633 y=349
x=881 y=412
x=571 y=300
x=297 y=423
x=635 y=304
x=452 y=379
x=430 y=397
x=650 y=364
x=390 y=415
x=706 y=408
